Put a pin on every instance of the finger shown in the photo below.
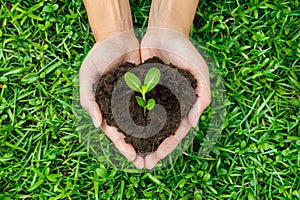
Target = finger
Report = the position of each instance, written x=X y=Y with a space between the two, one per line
x=147 y=53
x=202 y=90
x=87 y=96
x=119 y=141
x=164 y=149
x=139 y=162
x=200 y=105
x=95 y=113
x=168 y=145
x=195 y=113
x=151 y=160
x=203 y=100
x=202 y=77
x=183 y=129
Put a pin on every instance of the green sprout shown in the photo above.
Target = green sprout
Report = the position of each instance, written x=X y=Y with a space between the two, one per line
x=151 y=80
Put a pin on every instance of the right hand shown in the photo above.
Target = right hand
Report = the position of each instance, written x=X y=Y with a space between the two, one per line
x=103 y=57
x=176 y=48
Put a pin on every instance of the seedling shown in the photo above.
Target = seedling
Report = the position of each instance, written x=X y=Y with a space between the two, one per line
x=151 y=80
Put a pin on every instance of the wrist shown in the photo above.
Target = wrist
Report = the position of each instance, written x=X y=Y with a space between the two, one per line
x=108 y=17
x=104 y=32
x=169 y=25
x=177 y=15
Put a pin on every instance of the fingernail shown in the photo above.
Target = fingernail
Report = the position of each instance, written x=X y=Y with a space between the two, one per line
x=195 y=122
x=95 y=117
x=194 y=118
x=96 y=121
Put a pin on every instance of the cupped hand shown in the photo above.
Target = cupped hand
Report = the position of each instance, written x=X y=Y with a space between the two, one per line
x=176 y=48
x=102 y=58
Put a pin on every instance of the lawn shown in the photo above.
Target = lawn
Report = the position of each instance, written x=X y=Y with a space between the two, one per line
x=255 y=46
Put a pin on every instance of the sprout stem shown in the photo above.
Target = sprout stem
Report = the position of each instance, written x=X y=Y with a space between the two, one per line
x=144 y=97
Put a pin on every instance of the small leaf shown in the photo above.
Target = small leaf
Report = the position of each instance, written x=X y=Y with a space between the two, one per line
x=53 y=177
x=39 y=173
x=206 y=177
x=29 y=78
x=102 y=171
x=140 y=101
x=152 y=78
x=153 y=178
x=3 y=79
x=36 y=185
x=150 y=104
x=147 y=194
x=133 y=81
x=250 y=196
x=50 y=8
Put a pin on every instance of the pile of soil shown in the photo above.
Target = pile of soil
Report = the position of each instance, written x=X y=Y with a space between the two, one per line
x=162 y=95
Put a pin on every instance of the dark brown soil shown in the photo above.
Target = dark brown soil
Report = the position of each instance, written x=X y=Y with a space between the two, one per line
x=112 y=88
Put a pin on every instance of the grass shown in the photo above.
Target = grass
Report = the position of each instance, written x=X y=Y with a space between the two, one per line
x=255 y=45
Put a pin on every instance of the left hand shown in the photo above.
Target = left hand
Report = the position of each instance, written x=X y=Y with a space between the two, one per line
x=104 y=57
x=176 y=48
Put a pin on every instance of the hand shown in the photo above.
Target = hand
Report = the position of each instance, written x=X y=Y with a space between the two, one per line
x=176 y=48
x=102 y=58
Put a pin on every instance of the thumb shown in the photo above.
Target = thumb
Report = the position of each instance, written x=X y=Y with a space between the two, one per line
x=197 y=109
x=87 y=97
x=94 y=112
x=87 y=77
x=203 y=100
x=195 y=113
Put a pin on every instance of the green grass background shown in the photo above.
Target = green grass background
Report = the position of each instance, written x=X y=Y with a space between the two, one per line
x=255 y=45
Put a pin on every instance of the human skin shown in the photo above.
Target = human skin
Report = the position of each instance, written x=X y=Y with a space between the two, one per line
x=177 y=15
x=108 y=17
x=111 y=24
x=167 y=37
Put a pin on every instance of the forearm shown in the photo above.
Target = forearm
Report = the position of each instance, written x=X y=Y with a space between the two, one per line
x=173 y=14
x=108 y=17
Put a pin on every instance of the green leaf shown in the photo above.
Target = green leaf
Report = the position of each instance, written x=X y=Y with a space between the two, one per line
x=206 y=177
x=152 y=78
x=140 y=101
x=12 y=146
x=150 y=104
x=16 y=71
x=250 y=196
x=154 y=179
x=36 y=185
x=213 y=190
x=40 y=174
x=29 y=78
x=102 y=171
x=133 y=81
x=35 y=7
x=130 y=192
x=50 y=8
x=147 y=194
x=53 y=177
x=3 y=79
